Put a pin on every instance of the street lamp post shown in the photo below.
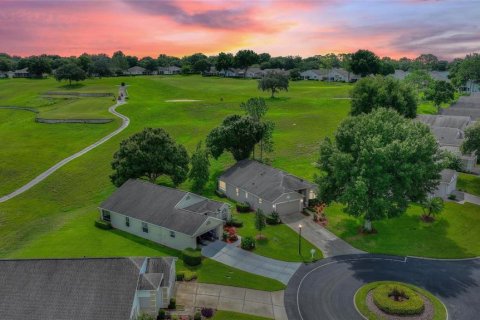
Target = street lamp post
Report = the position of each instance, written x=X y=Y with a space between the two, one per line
x=300 y=239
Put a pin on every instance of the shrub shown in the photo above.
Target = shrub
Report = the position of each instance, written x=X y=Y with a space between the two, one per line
x=105 y=225
x=243 y=207
x=397 y=299
x=224 y=236
x=313 y=202
x=190 y=275
x=173 y=304
x=197 y=316
x=161 y=315
x=174 y=317
x=145 y=316
x=452 y=197
x=248 y=243
x=207 y=312
x=192 y=257
x=234 y=223
x=273 y=218
x=180 y=275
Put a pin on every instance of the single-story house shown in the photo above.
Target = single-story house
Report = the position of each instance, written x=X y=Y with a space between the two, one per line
x=21 y=73
x=7 y=74
x=469 y=161
x=210 y=72
x=168 y=216
x=448 y=136
x=470 y=87
x=136 y=71
x=458 y=122
x=448 y=183
x=399 y=74
x=315 y=74
x=266 y=188
x=440 y=75
x=342 y=75
x=473 y=113
x=169 y=70
x=255 y=73
x=467 y=102
x=87 y=288
x=230 y=73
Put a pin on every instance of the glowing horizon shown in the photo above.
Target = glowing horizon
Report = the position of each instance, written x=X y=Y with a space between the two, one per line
x=408 y=28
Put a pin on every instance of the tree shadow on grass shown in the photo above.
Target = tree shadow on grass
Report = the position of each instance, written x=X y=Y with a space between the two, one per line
x=72 y=86
x=146 y=243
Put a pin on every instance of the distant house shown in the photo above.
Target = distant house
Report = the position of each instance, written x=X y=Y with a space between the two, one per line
x=440 y=75
x=470 y=87
x=78 y=289
x=342 y=75
x=212 y=72
x=230 y=73
x=21 y=73
x=448 y=183
x=315 y=74
x=399 y=74
x=255 y=73
x=136 y=71
x=474 y=113
x=7 y=74
x=266 y=188
x=458 y=122
x=171 y=217
x=171 y=70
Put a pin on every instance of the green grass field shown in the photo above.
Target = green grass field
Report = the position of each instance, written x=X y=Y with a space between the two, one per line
x=280 y=241
x=469 y=183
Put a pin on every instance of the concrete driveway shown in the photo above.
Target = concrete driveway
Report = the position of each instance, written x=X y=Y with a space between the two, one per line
x=193 y=295
x=325 y=290
x=250 y=262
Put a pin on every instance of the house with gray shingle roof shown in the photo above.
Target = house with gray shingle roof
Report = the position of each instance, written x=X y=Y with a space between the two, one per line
x=448 y=183
x=168 y=216
x=88 y=288
x=266 y=188
x=136 y=71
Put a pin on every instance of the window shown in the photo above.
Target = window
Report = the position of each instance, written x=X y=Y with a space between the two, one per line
x=246 y=195
x=127 y=221
x=145 y=227
x=106 y=215
x=260 y=200
x=222 y=185
x=172 y=234
x=236 y=190
x=312 y=195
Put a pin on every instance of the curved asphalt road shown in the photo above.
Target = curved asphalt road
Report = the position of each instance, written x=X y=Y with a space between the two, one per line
x=325 y=290
x=42 y=176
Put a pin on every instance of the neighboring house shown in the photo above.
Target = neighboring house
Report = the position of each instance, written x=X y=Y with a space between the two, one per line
x=136 y=71
x=399 y=74
x=342 y=75
x=211 y=72
x=171 y=70
x=255 y=73
x=315 y=74
x=474 y=113
x=6 y=74
x=168 y=216
x=458 y=122
x=266 y=188
x=448 y=183
x=448 y=136
x=88 y=288
x=229 y=73
x=470 y=87
x=469 y=161
x=440 y=75
x=466 y=102
x=22 y=73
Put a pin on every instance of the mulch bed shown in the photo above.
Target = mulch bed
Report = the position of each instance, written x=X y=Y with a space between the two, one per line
x=427 y=314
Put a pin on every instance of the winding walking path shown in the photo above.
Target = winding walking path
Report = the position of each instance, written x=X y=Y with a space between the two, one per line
x=45 y=174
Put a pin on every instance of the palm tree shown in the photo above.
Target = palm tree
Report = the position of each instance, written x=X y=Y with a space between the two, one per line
x=432 y=207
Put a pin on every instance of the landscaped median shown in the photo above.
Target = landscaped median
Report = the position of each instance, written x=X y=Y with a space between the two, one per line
x=390 y=300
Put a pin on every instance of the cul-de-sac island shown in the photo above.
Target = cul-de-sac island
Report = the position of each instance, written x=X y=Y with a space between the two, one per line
x=243 y=183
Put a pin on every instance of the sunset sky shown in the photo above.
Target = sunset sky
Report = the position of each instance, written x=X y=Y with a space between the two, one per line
x=176 y=27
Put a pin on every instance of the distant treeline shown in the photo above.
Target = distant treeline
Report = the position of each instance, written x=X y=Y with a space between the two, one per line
x=104 y=65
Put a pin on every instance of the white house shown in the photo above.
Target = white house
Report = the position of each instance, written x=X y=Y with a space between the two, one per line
x=168 y=216
x=314 y=74
x=448 y=183
x=169 y=70
x=136 y=71
x=21 y=73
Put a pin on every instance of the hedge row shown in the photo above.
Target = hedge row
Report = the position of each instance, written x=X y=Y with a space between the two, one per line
x=412 y=305
x=192 y=257
x=103 y=224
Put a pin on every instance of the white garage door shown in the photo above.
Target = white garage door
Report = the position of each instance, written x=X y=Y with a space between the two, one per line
x=288 y=207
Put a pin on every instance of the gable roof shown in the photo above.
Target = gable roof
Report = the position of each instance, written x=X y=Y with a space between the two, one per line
x=136 y=68
x=448 y=121
x=67 y=288
x=448 y=136
x=474 y=113
x=157 y=205
x=447 y=175
x=263 y=181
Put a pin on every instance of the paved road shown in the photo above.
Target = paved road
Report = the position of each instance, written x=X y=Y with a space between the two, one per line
x=330 y=244
x=325 y=290
x=44 y=175
x=267 y=304
x=250 y=262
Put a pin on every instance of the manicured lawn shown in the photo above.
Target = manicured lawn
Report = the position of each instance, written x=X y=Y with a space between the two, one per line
x=228 y=315
x=455 y=234
x=469 y=183
x=280 y=241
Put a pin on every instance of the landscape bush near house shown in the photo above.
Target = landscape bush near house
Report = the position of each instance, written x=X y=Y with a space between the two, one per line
x=243 y=207
x=248 y=243
x=105 y=225
x=234 y=223
x=192 y=257
x=207 y=312
x=273 y=219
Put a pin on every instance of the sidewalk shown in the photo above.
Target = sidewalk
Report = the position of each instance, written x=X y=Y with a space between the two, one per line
x=330 y=244
x=260 y=303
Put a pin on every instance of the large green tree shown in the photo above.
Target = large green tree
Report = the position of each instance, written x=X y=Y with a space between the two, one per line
x=119 y=61
x=224 y=61
x=364 y=62
x=199 y=173
x=383 y=92
x=70 y=72
x=273 y=82
x=472 y=140
x=377 y=164
x=440 y=92
x=257 y=109
x=237 y=134
x=244 y=59
x=419 y=79
x=38 y=65
x=150 y=153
